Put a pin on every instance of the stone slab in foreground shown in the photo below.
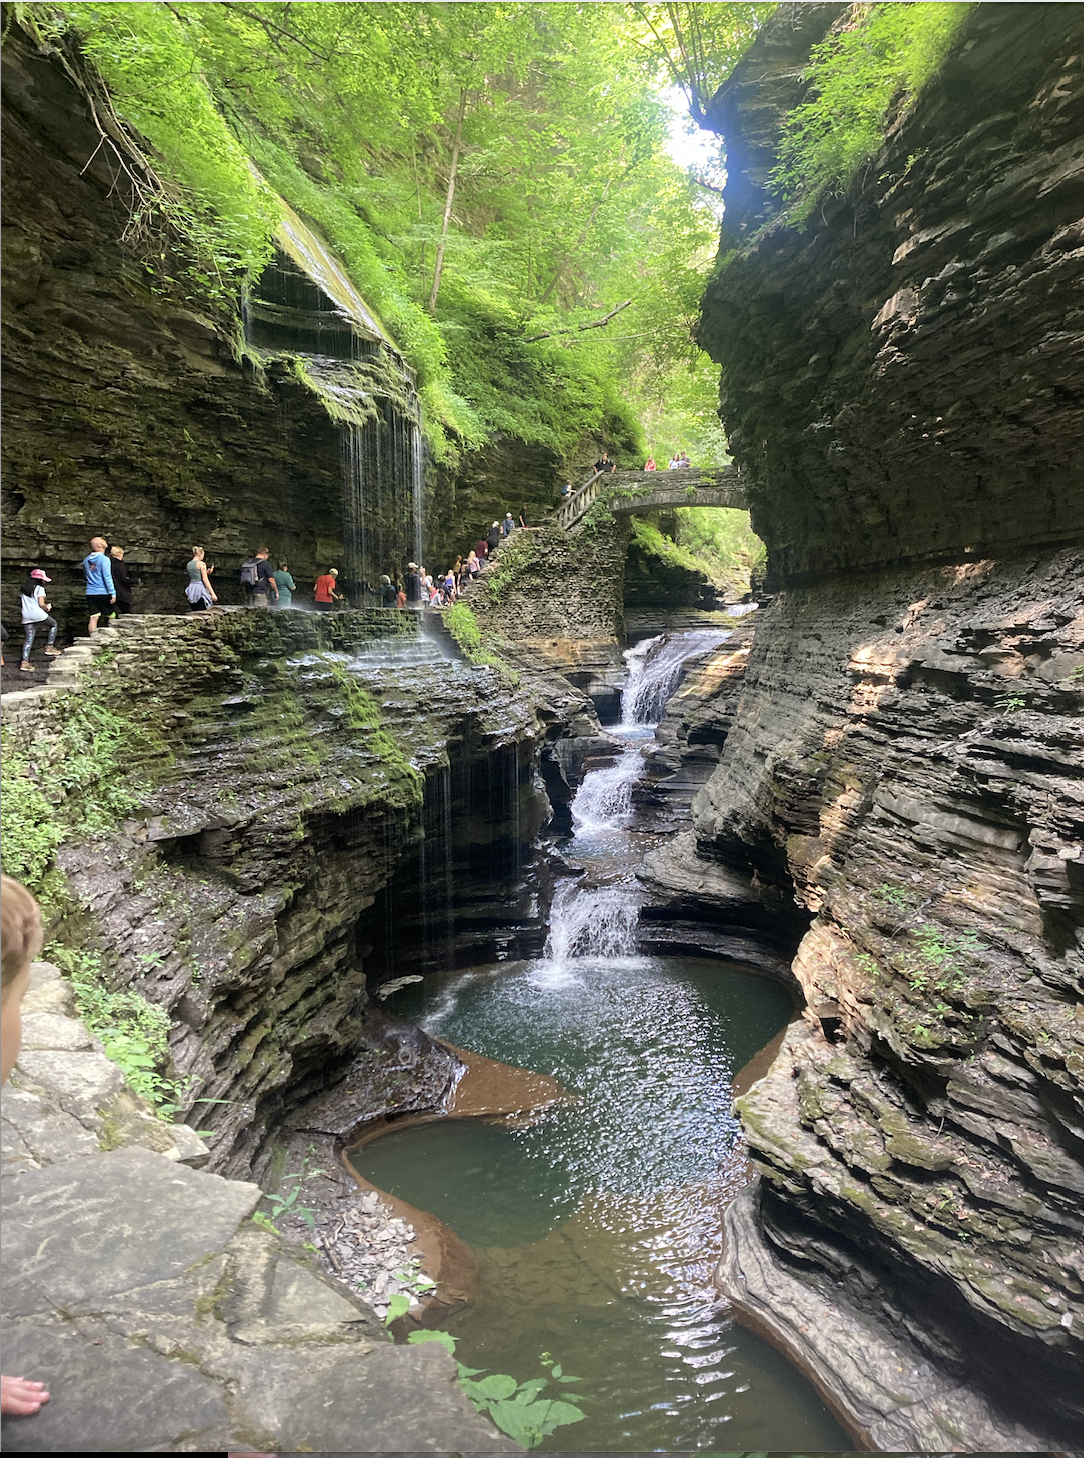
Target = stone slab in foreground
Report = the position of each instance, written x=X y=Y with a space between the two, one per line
x=162 y=1320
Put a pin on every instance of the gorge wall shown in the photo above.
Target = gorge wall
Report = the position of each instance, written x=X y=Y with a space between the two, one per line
x=901 y=385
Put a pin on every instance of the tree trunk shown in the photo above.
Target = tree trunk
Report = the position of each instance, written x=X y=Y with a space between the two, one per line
x=438 y=267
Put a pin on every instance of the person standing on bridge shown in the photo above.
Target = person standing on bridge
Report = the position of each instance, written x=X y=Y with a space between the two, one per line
x=604 y=465
x=649 y=464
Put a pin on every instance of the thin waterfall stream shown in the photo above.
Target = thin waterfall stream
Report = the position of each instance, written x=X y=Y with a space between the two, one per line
x=597 y=1224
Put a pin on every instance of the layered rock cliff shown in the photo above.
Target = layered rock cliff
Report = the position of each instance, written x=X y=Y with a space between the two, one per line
x=279 y=772
x=901 y=384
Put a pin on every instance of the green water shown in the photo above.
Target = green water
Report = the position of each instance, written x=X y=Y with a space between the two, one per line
x=597 y=1228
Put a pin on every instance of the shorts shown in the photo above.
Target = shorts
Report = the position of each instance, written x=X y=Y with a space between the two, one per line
x=324 y=607
x=122 y=605
x=259 y=599
x=97 y=603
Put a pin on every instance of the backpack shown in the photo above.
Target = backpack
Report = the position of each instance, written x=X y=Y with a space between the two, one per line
x=249 y=574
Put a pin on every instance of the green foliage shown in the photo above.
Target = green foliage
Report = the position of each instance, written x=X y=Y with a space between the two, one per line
x=1009 y=702
x=884 y=57
x=724 y=543
x=287 y=1202
x=133 y=1031
x=460 y=621
x=80 y=780
x=940 y=959
x=363 y=713
x=210 y=195
x=567 y=201
x=520 y=1409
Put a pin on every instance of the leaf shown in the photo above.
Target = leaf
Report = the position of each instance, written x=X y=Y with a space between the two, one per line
x=528 y=1391
x=558 y=1414
x=570 y=1379
x=397 y=1306
x=512 y=1418
x=557 y=1370
x=419 y=1338
x=498 y=1386
x=469 y=1371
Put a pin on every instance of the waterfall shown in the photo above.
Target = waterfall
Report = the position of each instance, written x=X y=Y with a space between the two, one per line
x=304 y=313
x=604 y=800
x=656 y=668
x=590 y=922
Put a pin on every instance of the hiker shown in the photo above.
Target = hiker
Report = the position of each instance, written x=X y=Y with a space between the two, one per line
x=35 y=616
x=493 y=537
x=121 y=581
x=199 y=591
x=473 y=566
x=457 y=572
x=101 y=594
x=448 y=588
x=649 y=464
x=389 y=596
x=508 y=526
x=323 y=593
x=566 y=492
x=674 y=463
x=257 y=576
x=523 y=518
x=604 y=465
x=415 y=586
x=285 y=584
x=482 y=549
x=20 y=942
x=400 y=594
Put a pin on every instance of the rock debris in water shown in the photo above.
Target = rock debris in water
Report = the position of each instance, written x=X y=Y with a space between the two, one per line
x=372 y=1251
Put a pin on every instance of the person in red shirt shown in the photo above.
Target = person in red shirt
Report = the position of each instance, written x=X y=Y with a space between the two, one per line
x=324 y=593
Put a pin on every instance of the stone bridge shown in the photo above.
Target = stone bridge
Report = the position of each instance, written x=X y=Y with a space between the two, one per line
x=627 y=492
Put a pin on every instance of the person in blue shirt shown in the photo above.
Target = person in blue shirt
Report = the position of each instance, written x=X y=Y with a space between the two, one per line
x=101 y=593
x=508 y=526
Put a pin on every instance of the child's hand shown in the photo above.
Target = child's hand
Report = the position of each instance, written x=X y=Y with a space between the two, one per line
x=20 y=1398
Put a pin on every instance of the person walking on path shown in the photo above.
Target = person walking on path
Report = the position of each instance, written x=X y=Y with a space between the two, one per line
x=508 y=526
x=285 y=585
x=415 y=585
x=473 y=566
x=493 y=537
x=101 y=593
x=649 y=464
x=482 y=549
x=259 y=578
x=324 y=594
x=457 y=572
x=198 y=589
x=121 y=581
x=389 y=596
x=35 y=616
x=604 y=465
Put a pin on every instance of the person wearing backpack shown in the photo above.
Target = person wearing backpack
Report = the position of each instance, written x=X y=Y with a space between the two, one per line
x=257 y=576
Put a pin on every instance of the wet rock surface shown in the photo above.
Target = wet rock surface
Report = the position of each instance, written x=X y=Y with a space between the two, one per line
x=279 y=794
x=903 y=766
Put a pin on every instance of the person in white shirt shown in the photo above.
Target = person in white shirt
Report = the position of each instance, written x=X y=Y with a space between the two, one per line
x=35 y=616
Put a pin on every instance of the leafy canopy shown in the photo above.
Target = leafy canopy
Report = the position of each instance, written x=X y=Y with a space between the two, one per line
x=567 y=201
x=884 y=54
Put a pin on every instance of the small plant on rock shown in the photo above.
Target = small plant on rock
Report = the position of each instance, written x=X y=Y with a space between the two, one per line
x=520 y=1409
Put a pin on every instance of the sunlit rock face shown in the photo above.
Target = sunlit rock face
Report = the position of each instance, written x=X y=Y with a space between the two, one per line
x=901 y=383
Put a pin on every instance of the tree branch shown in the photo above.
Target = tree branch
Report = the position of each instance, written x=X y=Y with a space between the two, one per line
x=579 y=328
x=449 y=199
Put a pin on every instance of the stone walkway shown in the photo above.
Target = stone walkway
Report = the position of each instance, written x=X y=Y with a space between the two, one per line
x=162 y=1319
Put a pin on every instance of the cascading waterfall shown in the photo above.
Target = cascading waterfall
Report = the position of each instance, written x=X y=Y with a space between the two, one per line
x=305 y=312
x=656 y=668
x=587 y=921
x=592 y=923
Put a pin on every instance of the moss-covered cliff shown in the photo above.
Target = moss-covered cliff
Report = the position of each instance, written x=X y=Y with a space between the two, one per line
x=255 y=788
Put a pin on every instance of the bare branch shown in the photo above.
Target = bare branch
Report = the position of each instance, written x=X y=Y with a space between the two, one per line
x=579 y=328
